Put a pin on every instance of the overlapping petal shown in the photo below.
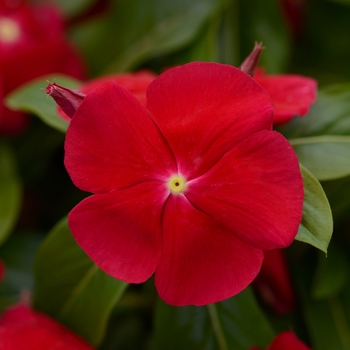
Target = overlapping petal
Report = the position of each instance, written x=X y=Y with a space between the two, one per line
x=120 y=231
x=203 y=109
x=201 y=260
x=23 y=328
x=291 y=94
x=256 y=190
x=113 y=143
x=274 y=284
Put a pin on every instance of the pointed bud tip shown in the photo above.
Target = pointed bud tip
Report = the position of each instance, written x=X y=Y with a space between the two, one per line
x=69 y=100
x=250 y=64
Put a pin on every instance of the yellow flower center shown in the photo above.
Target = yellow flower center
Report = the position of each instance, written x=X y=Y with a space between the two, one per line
x=9 y=30
x=177 y=184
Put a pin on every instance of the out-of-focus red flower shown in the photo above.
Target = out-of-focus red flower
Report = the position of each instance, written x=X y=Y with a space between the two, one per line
x=273 y=283
x=136 y=83
x=294 y=13
x=291 y=94
x=193 y=188
x=286 y=341
x=23 y=328
x=32 y=43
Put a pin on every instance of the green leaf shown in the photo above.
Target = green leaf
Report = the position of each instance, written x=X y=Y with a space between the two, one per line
x=73 y=8
x=146 y=29
x=32 y=98
x=71 y=288
x=342 y=2
x=236 y=323
x=332 y=273
x=18 y=255
x=327 y=157
x=327 y=320
x=317 y=225
x=263 y=21
x=11 y=192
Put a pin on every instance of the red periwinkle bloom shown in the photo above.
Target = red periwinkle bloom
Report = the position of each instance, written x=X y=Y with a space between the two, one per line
x=23 y=328
x=32 y=43
x=136 y=83
x=273 y=283
x=193 y=188
x=286 y=341
x=291 y=94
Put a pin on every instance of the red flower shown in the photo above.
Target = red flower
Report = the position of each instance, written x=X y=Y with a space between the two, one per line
x=32 y=44
x=136 y=83
x=191 y=189
x=273 y=282
x=22 y=328
x=286 y=341
x=291 y=94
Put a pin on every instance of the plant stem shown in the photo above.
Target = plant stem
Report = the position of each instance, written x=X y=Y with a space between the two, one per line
x=217 y=327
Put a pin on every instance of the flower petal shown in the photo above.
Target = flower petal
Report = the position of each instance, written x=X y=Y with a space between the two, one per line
x=202 y=262
x=256 y=190
x=287 y=341
x=203 y=109
x=112 y=142
x=120 y=231
x=291 y=94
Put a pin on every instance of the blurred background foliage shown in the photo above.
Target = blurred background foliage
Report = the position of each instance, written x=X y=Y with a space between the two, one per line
x=309 y=37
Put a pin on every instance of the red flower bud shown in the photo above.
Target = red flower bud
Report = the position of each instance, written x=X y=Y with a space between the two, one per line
x=250 y=64
x=69 y=100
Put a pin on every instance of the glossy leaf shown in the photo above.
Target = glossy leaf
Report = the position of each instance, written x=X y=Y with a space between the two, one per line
x=32 y=98
x=332 y=273
x=71 y=288
x=11 y=191
x=327 y=157
x=317 y=224
x=236 y=323
x=146 y=29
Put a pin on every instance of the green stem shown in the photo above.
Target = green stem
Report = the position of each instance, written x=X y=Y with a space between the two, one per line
x=217 y=327
x=340 y=322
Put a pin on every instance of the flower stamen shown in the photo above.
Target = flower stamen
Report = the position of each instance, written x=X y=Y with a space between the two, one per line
x=9 y=30
x=177 y=184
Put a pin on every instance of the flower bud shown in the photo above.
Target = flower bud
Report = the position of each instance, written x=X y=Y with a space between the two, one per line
x=69 y=100
x=250 y=64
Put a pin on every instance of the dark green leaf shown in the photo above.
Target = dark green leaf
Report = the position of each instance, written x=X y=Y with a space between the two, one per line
x=328 y=319
x=11 y=192
x=18 y=255
x=263 y=21
x=317 y=225
x=71 y=288
x=145 y=30
x=32 y=98
x=236 y=323
x=327 y=157
x=332 y=273
x=343 y=2
x=72 y=8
